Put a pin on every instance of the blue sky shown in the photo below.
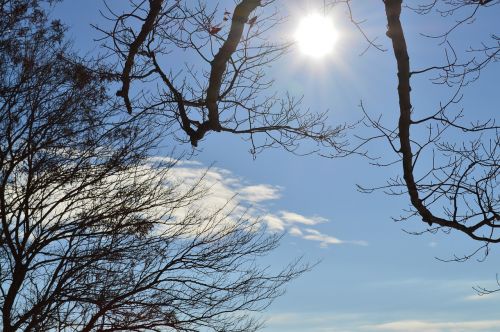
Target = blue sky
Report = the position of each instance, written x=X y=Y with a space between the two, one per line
x=372 y=276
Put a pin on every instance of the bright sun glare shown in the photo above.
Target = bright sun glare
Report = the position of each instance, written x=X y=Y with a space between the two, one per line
x=316 y=35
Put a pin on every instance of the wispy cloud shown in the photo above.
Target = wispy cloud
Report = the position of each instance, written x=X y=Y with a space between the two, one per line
x=291 y=217
x=482 y=297
x=295 y=231
x=274 y=223
x=259 y=193
x=326 y=240
x=430 y=326
x=363 y=322
x=323 y=239
x=313 y=322
x=251 y=200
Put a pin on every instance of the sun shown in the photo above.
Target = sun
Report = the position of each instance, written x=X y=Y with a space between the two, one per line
x=316 y=35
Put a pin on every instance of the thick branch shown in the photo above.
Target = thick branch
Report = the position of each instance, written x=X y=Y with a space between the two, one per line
x=155 y=7
x=396 y=34
x=219 y=63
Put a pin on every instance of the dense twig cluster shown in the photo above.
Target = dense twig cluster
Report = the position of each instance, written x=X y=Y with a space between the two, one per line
x=92 y=237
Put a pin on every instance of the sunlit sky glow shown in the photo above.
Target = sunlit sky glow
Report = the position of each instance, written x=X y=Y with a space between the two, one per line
x=316 y=35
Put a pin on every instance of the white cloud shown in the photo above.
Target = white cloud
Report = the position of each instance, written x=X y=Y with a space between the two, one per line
x=248 y=199
x=291 y=217
x=483 y=297
x=273 y=222
x=323 y=239
x=429 y=326
x=223 y=193
x=295 y=231
x=259 y=193
x=333 y=322
x=313 y=321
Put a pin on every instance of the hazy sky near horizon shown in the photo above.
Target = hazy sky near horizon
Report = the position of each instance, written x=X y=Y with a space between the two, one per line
x=372 y=276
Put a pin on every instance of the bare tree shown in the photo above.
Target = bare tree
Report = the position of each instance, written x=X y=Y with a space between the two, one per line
x=452 y=184
x=223 y=87
x=94 y=236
